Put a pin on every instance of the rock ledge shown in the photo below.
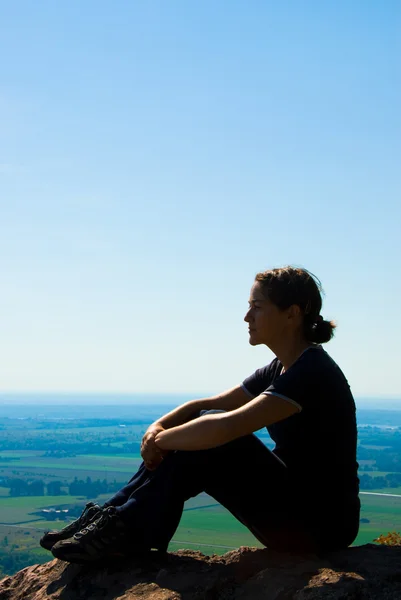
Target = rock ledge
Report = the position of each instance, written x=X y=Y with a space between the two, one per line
x=364 y=572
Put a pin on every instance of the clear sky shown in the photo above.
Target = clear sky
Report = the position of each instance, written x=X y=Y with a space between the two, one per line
x=155 y=155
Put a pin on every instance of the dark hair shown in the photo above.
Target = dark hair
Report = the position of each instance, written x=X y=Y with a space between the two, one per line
x=286 y=286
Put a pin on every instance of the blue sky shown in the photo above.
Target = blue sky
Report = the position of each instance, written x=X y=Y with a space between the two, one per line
x=155 y=155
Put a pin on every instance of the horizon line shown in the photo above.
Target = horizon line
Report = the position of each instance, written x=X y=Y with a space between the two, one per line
x=147 y=393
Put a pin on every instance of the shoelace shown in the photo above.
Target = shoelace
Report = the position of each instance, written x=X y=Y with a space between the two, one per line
x=84 y=515
x=85 y=530
x=99 y=523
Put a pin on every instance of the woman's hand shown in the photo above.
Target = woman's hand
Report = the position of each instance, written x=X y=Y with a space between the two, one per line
x=151 y=454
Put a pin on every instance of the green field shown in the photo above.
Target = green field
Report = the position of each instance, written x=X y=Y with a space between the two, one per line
x=81 y=445
x=204 y=525
x=209 y=527
x=80 y=463
x=34 y=464
x=18 y=511
x=384 y=514
x=16 y=460
x=217 y=526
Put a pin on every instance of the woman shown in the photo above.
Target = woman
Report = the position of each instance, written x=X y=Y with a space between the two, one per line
x=302 y=496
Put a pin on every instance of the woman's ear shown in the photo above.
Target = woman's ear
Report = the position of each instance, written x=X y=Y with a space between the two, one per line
x=294 y=312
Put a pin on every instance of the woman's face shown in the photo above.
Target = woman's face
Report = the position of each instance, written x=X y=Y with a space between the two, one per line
x=266 y=322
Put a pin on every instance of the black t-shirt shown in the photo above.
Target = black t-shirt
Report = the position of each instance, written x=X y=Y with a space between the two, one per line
x=318 y=443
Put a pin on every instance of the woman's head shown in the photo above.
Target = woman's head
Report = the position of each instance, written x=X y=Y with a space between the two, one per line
x=284 y=301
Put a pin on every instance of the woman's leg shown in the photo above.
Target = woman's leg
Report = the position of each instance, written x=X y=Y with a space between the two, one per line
x=135 y=482
x=244 y=476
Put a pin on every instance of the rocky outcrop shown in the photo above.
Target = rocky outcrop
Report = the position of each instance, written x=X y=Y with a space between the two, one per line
x=365 y=572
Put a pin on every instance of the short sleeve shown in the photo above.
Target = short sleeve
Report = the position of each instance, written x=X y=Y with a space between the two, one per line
x=260 y=380
x=298 y=384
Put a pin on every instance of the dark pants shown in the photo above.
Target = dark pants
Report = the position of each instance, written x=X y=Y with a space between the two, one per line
x=244 y=476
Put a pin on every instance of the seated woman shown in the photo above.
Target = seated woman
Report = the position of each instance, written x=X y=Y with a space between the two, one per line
x=302 y=496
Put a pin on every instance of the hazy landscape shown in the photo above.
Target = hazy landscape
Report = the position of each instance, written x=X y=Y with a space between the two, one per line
x=54 y=458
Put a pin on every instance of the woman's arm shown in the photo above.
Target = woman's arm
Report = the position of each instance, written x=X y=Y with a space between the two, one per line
x=214 y=430
x=229 y=400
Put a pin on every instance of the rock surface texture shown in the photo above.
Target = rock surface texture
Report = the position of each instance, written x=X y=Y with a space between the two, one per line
x=371 y=572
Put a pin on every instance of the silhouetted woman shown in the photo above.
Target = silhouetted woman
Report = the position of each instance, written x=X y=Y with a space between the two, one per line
x=302 y=496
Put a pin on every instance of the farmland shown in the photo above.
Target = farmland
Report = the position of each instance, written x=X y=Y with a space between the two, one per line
x=205 y=525
x=79 y=455
x=35 y=464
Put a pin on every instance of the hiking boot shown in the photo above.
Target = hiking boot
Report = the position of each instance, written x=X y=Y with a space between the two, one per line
x=90 y=512
x=104 y=537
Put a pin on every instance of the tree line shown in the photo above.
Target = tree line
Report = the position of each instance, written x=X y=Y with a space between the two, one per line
x=391 y=480
x=78 y=487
